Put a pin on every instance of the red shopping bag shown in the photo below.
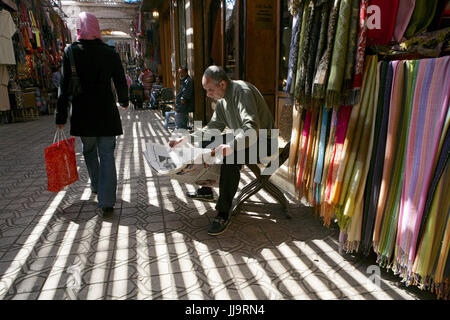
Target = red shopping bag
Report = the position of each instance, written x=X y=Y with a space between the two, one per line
x=61 y=164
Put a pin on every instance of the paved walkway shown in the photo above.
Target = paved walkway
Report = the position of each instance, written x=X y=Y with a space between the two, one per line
x=58 y=246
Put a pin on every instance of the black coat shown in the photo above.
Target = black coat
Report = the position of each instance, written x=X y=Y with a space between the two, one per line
x=94 y=112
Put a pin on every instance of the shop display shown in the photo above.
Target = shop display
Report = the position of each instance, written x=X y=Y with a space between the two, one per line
x=369 y=146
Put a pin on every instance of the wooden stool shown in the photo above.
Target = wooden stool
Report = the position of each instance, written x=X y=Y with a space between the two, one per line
x=262 y=182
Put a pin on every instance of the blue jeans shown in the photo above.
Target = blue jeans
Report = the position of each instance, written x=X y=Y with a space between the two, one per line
x=99 y=157
x=167 y=117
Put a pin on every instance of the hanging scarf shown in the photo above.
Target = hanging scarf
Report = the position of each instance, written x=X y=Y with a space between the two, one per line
x=304 y=53
x=293 y=53
x=301 y=46
x=431 y=102
x=358 y=164
x=321 y=77
x=340 y=47
x=325 y=209
x=442 y=162
x=421 y=18
x=352 y=40
x=376 y=163
x=295 y=137
x=311 y=66
x=360 y=53
x=382 y=34
x=404 y=13
x=434 y=221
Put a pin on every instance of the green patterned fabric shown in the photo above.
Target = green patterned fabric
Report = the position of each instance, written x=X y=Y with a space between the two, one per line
x=339 y=56
x=421 y=18
x=352 y=42
x=321 y=78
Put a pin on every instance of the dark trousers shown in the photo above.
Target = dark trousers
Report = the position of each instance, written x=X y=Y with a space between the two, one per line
x=230 y=174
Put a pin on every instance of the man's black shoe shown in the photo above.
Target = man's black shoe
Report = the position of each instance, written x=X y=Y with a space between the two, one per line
x=219 y=225
x=107 y=211
x=204 y=194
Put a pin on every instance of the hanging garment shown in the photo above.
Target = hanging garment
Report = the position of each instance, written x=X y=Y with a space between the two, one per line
x=360 y=53
x=377 y=159
x=430 y=107
x=421 y=18
x=404 y=13
x=351 y=52
x=293 y=53
x=339 y=56
x=4 y=97
x=435 y=218
x=391 y=144
x=381 y=34
x=322 y=72
x=7 y=30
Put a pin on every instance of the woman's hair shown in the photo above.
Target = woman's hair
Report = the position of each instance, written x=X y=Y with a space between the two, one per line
x=216 y=73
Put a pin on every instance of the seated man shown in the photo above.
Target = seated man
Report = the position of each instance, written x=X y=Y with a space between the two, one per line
x=156 y=90
x=184 y=100
x=240 y=107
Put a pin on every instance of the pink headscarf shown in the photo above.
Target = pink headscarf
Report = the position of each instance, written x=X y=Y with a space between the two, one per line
x=88 y=27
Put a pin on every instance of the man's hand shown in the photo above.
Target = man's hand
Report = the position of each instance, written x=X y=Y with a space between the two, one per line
x=224 y=148
x=60 y=126
x=178 y=142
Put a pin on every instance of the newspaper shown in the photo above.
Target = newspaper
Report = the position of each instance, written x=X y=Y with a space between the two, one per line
x=186 y=164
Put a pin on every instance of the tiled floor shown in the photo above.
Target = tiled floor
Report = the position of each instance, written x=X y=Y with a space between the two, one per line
x=58 y=246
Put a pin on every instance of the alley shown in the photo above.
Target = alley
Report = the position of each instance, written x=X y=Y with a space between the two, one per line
x=156 y=246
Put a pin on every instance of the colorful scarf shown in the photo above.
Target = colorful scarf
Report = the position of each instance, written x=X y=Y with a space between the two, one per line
x=88 y=27
x=391 y=144
x=421 y=18
x=321 y=77
x=360 y=53
x=336 y=78
x=376 y=164
x=351 y=52
x=431 y=102
x=391 y=210
x=295 y=138
x=293 y=54
x=358 y=164
x=404 y=13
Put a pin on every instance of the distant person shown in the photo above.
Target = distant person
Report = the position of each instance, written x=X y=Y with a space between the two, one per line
x=184 y=100
x=94 y=114
x=56 y=77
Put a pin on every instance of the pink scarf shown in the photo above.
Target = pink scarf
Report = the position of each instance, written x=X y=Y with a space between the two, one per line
x=88 y=27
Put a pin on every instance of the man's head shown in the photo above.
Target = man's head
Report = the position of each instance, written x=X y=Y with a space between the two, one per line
x=183 y=72
x=215 y=82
